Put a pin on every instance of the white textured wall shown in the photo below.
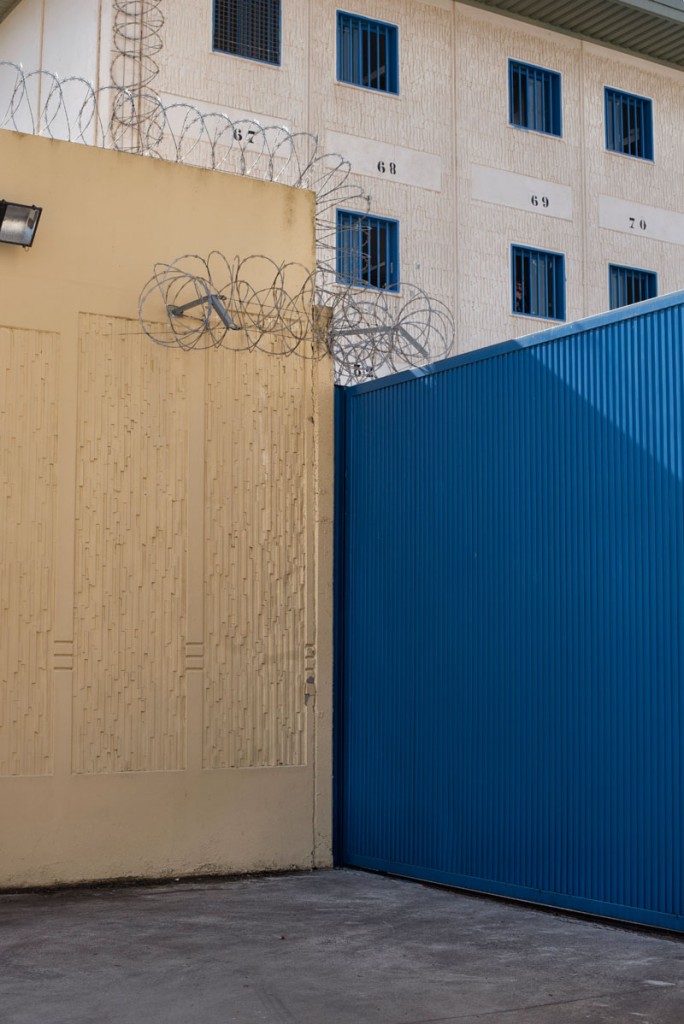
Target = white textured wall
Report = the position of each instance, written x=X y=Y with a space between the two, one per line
x=20 y=34
x=656 y=184
x=20 y=43
x=452 y=114
x=487 y=230
x=453 y=107
x=578 y=160
x=71 y=38
x=188 y=68
x=62 y=36
x=304 y=93
x=416 y=119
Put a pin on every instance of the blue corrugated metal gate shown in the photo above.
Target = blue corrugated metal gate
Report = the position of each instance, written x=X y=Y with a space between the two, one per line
x=510 y=619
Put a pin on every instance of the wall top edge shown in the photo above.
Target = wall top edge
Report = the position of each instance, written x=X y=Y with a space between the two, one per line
x=563 y=332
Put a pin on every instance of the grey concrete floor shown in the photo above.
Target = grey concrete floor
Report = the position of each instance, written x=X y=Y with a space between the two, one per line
x=333 y=947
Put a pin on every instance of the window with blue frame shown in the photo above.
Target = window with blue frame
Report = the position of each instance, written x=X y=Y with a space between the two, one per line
x=534 y=98
x=629 y=285
x=367 y=251
x=629 y=124
x=248 y=28
x=538 y=283
x=367 y=53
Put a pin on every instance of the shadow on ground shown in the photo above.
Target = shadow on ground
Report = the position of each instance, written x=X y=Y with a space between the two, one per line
x=333 y=947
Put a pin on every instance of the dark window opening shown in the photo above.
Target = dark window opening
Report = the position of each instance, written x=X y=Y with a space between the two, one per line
x=534 y=98
x=629 y=124
x=367 y=53
x=538 y=280
x=628 y=285
x=367 y=251
x=248 y=28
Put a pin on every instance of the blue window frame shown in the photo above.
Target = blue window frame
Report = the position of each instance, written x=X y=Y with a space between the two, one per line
x=248 y=28
x=367 y=251
x=367 y=53
x=534 y=98
x=629 y=285
x=538 y=283
x=629 y=124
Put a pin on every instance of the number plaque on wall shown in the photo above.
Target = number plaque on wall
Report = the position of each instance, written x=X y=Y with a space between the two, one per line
x=391 y=163
x=504 y=188
x=641 y=221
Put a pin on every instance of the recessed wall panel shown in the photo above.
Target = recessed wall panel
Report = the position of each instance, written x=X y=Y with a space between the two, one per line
x=28 y=493
x=131 y=508
x=256 y=523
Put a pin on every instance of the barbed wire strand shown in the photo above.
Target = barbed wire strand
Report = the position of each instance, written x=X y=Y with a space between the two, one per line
x=370 y=332
x=72 y=109
x=254 y=303
x=136 y=44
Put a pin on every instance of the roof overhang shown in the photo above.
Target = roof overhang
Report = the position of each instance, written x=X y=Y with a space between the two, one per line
x=652 y=29
x=6 y=6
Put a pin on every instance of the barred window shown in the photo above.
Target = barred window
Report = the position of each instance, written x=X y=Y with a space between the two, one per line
x=629 y=285
x=367 y=53
x=629 y=124
x=534 y=98
x=538 y=280
x=367 y=251
x=248 y=28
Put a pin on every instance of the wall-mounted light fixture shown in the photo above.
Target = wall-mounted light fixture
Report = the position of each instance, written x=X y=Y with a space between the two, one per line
x=18 y=223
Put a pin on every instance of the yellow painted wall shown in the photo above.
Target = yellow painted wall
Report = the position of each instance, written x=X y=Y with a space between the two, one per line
x=165 y=541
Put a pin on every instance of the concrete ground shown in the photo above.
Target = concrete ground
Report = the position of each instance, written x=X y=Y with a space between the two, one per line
x=334 y=947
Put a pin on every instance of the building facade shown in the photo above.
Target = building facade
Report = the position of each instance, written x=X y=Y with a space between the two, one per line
x=522 y=173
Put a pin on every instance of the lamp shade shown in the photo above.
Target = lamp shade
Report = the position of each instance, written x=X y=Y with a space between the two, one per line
x=18 y=223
